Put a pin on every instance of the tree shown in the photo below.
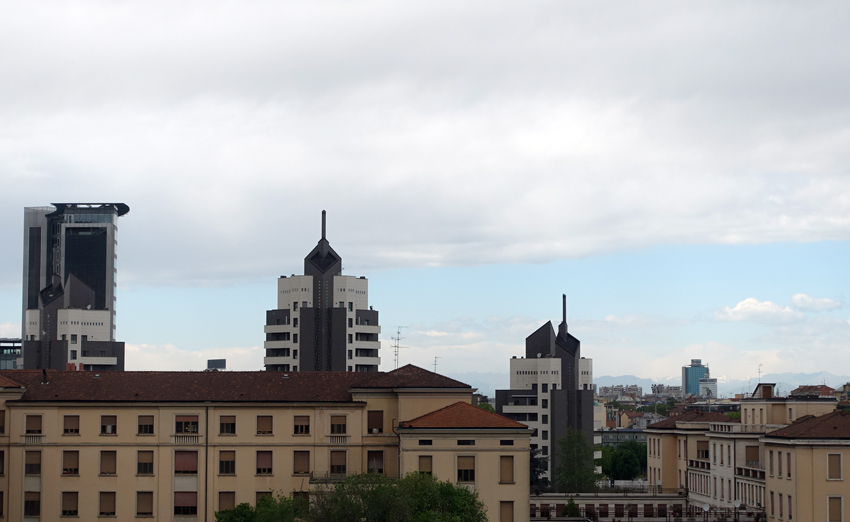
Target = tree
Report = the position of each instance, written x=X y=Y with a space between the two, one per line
x=538 y=466
x=268 y=509
x=486 y=406
x=571 y=509
x=607 y=455
x=576 y=471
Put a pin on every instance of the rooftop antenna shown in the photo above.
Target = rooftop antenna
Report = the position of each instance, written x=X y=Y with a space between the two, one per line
x=564 y=297
x=396 y=346
x=759 y=373
x=435 y=363
x=323 y=224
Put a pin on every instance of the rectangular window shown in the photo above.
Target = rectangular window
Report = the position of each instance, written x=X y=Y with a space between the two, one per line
x=185 y=502
x=2 y=463
x=781 y=506
x=108 y=425
x=71 y=425
x=144 y=503
x=375 y=422
x=264 y=424
x=33 y=425
x=301 y=425
x=350 y=354
x=107 y=463
x=350 y=338
x=545 y=450
x=466 y=442
x=425 y=464
x=375 y=462
x=264 y=463
x=338 y=463
x=833 y=466
x=779 y=462
x=834 y=509
x=186 y=424
x=145 y=424
x=772 y=506
x=73 y=338
x=350 y=306
x=295 y=306
x=185 y=462
x=144 y=463
x=32 y=504
x=294 y=338
x=466 y=469
x=506 y=469
x=227 y=425
x=32 y=463
x=338 y=424
x=426 y=442
x=544 y=419
x=788 y=467
x=70 y=503
x=70 y=462
x=226 y=500
x=301 y=463
x=545 y=435
x=506 y=511
x=261 y=495
x=545 y=403
x=107 y=504
x=545 y=387
x=506 y=442
x=790 y=512
x=350 y=322
x=227 y=463
x=295 y=324
x=2 y=422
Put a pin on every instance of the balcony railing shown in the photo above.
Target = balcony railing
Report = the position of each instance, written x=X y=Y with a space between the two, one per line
x=338 y=439
x=699 y=464
x=33 y=438
x=186 y=440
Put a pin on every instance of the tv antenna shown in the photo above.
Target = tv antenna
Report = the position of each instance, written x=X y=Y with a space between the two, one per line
x=759 y=373
x=396 y=346
x=435 y=363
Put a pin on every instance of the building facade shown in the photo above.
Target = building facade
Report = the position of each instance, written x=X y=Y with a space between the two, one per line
x=323 y=321
x=179 y=446
x=691 y=376
x=69 y=283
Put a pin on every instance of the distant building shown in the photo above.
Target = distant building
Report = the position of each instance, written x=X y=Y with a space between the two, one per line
x=10 y=354
x=547 y=392
x=708 y=388
x=691 y=376
x=69 y=287
x=323 y=321
x=619 y=390
x=819 y=390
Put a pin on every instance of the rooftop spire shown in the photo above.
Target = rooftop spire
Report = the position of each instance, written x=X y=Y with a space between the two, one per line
x=323 y=224
x=564 y=296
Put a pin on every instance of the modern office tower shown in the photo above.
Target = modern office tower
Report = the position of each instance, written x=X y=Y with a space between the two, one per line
x=549 y=390
x=323 y=320
x=69 y=286
x=691 y=376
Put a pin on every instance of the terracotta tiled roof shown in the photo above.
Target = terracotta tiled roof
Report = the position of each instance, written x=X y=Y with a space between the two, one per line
x=807 y=390
x=691 y=416
x=207 y=386
x=6 y=382
x=835 y=425
x=634 y=414
x=409 y=376
x=462 y=415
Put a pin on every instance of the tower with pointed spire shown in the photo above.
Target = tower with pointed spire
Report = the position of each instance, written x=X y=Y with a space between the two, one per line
x=323 y=321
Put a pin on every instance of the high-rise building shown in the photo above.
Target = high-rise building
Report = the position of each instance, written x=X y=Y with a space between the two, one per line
x=323 y=321
x=691 y=376
x=69 y=286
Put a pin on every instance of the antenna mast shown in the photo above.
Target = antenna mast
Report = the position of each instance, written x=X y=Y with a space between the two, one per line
x=396 y=346
x=435 y=363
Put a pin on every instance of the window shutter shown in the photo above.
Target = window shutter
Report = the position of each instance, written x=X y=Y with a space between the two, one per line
x=32 y=496
x=71 y=459
x=228 y=456
x=146 y=457
x=834 y=466
x=107 y=463
x=466 y=463
x=187 y=418
x=144 y=502
x=264 y=424
x=72 y=423
x=69 y=501
x=337 y=458
x=834 y=509
x=506 y=512
x=425 y=464
x=375 y=421
x=185 y=499
x=302 y=424
x=752 y=453
x=226 y=500
x=33 y=424
x=186 y=461
x=107 y=502
x=33 y=457
x=302 y=462
x=264 y=460
x=506 y=469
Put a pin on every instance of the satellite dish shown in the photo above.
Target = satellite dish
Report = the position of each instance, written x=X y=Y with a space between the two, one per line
x=706 y=507
x=737 y=503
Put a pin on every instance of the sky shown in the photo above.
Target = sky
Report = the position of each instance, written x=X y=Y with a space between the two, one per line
x=680 y=171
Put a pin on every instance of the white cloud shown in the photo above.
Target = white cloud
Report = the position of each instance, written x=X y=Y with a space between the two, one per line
x=753 y=310
x=167 y=357
x=814 y=304
x=10 y=330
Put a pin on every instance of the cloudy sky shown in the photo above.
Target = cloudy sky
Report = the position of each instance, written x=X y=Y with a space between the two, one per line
x=681 y=171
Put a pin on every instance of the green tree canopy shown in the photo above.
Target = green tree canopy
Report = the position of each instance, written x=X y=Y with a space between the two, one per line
x=576 y=471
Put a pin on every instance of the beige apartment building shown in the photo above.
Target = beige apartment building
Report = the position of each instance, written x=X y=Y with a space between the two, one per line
x=182 y=445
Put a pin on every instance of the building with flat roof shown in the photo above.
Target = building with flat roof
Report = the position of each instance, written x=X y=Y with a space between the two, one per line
x=69 y=283
x=691 y=376
x=323 y=321
x=10 y=354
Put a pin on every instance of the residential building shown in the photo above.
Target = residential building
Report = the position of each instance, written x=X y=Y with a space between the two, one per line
x=10 y=354
x=323 y=321
x=545 y=389
x=69 y=286
x=691 y=376
x=183 y=445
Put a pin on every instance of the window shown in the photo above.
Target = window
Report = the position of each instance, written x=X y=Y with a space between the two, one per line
x=350 y=354
x=466 y=469
x=73 y=338
x=32 y=504
x=32 y=463
x=107 y=463
x=788 y=467
x=145 y=424
x=33 y=425
x=779 y=463
x=295 y=356
x=506 y=442
x=772 y=506
x=506 y=469
x=425 y=464
x=264 y=463
x=545 y=403
x=834 y=509
x=544 y=419
x=2 y=421
x=295 y=306
x=226 y=500
x=375 y=462
x=350 y=306
x=350 y=322
x=790 y=512
x=144 y=463
x=350 y=338
x=185 y=462
x=144 y=503
x=545 y=435
x=337 y=424
x=264 y=424
x=833 y=467
x=465 y=442
x=426 y=442
x=338 y=463
x=227 y=463
x=302 y=425
x=227 y=425
x=506 y=511
x=262 y=495
x=2 y=463
x=295 y=324
x=781 y=506
x=108 y=425
x=294 y=338
x=107 y=504
x=185 y=502
x=545 y=387
x=545 y=450
x=70 y=462
x=375 y=422
x=186 y=424
x=72 y=425
x=301 y=463
x=69 y=503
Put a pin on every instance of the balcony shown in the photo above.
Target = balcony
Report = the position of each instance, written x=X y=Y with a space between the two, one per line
x=754 y=473
x=98 y=361
x=33 y=438
x=186 y=439
x=275 y=345
x=274 y=361
x=338 y=440
x=699 y=464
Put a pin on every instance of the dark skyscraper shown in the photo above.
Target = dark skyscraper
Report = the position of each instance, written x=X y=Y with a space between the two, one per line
x=69 y=286
x=323 y=321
